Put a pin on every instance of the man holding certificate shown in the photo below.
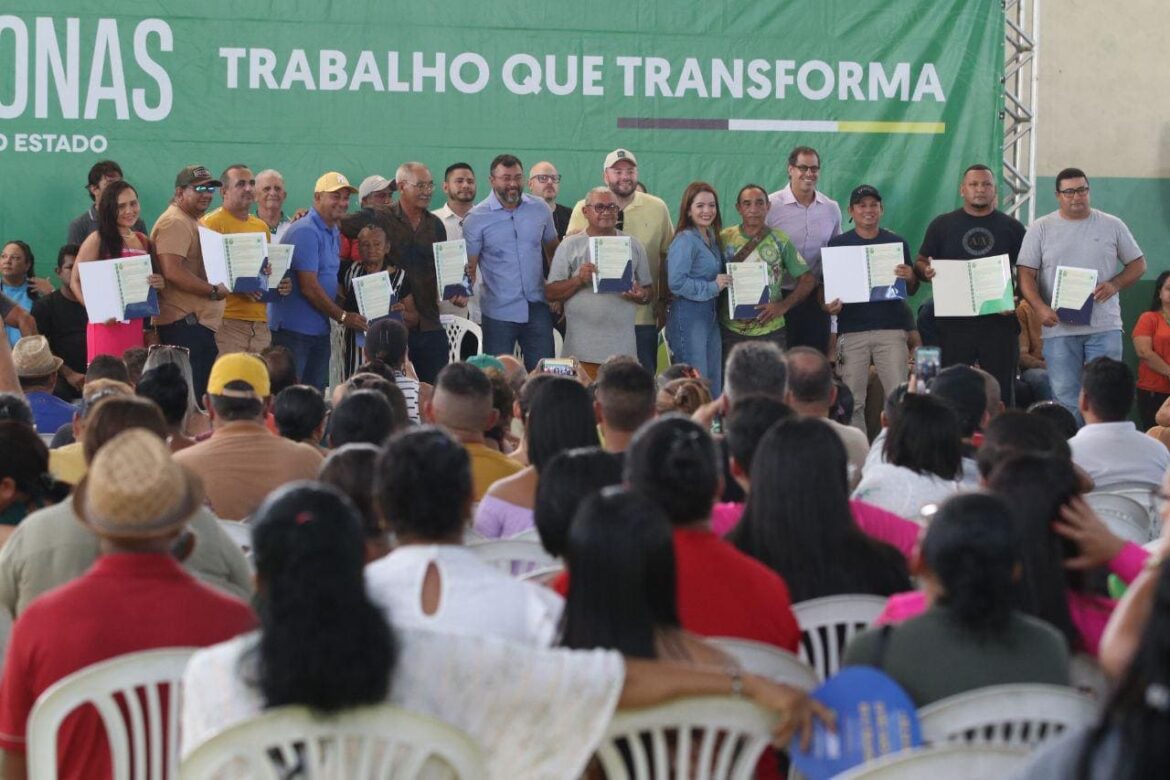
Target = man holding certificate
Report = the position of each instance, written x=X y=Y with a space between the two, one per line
x=245 y=316
x=1069 y=273
x=976 y=231
x=871 y=330
x=602 y=276
x=755 y=307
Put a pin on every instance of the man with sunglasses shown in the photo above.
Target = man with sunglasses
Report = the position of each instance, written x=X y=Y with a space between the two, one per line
x=544 y=182
x=190 y=307
x=646 y=218
x=1077 y=235
x=598 y=325
x=809 y=218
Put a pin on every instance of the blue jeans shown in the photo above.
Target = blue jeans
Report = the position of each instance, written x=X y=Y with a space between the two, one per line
x=1037 y=381
x=200 y=341
x=310 y=355
x=646 y=337
x=1066 y=357
x=535 y=336
x=692 y=330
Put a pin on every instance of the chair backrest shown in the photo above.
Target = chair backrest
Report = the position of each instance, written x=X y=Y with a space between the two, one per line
x=713 y=738
x=367 y=743
x=456 y=328
x=768 y=661
x=513 y=556
x=240 y=533
x=1006 y=715
x=541 y=576
x=1124 y=516
x=953 y=762
x=135 y=695
x=1140 y=492
x=828 y=624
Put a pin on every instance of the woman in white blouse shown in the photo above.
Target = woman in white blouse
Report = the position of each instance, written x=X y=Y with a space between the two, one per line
x=537 y=712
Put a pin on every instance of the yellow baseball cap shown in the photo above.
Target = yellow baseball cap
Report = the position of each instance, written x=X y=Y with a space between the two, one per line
x=333 y=182
x=239 y=367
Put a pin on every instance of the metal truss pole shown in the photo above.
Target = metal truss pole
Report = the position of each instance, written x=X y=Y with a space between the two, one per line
x=1021 y=47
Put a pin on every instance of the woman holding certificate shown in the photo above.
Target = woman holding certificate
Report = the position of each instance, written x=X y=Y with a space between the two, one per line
x=694 y=273
x=1151 y=341
x=373 y=250
x=115 y=237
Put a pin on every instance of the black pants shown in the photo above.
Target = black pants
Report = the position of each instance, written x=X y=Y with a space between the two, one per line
x=807 y=324
x=992 y=341
x=1148 y=403
x=203 y=351
x=429 y=352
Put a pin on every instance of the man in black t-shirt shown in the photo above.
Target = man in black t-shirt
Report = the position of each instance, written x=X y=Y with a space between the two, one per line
x=62 y=319
x=874 y=331
x=976 y=230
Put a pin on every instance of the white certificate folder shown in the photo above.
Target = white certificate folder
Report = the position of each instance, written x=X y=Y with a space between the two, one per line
x=748 y=289
x=969 y=288
x=235 y=260
x=1072 y=294
x=861 y=274
x=612 y=256
x=118 y=289
x=451 y=269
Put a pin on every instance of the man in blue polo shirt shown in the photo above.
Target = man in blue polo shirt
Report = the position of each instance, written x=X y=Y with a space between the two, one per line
x=507 y=235
x=300 y=320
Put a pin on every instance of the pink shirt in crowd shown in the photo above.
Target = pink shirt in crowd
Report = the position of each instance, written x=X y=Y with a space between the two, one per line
x=1089 y=613
x=881 y=525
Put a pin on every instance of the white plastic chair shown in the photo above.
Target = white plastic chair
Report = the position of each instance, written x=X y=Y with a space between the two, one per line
x=1141 y=493
x=1124 y=516
x=828 y=624
x=528 y=535
x=513 y=556
x=240 y=533
x=1019 y=716
x=953 y=762
x=456 y=328
x=367 y=743
x=768 y=661
x=713 y=738
x=134 y=682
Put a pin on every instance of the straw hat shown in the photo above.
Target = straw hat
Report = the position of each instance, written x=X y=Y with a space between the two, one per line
x=135 y=490
x=32 y=357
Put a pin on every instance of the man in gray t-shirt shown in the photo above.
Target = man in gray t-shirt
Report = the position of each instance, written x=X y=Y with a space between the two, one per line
x=1078 y=236
x=598 y=325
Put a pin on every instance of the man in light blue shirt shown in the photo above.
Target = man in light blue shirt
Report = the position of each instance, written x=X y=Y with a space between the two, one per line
x=300 y=320
x=508 y=235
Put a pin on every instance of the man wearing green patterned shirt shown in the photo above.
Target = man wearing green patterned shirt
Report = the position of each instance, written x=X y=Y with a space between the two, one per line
x=753 y=240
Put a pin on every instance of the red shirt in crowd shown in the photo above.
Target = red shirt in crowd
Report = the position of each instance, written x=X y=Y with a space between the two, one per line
x=124 y=603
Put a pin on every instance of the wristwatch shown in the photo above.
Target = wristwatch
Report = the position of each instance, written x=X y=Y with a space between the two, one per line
x=214 y=294
x=341 y=317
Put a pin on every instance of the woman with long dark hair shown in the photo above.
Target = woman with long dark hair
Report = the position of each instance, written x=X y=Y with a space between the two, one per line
x=622 y=596
x=560 y=418
x=923 y=459
x=972 y=635
x=1151 y=341
x=695 y=276
x=115 y=237
x=566 y=481
x=538 y=712
x=799 y=523
x=721 y=591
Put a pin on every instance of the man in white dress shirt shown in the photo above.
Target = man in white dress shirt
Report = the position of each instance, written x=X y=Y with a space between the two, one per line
x=1110 y=448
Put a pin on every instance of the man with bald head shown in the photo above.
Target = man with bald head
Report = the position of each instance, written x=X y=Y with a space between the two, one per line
x=598 y=325
x=812 y=393
x=544 y=182
x=462 y=403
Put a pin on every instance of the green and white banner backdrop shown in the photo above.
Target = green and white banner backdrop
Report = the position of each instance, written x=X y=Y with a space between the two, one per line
x=901 y=95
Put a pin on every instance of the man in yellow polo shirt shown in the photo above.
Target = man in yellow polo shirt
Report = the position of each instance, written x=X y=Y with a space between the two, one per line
x=245 y=316
x=462 y=403
x=647 y=219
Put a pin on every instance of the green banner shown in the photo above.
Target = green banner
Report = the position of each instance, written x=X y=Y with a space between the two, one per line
x=902 y=96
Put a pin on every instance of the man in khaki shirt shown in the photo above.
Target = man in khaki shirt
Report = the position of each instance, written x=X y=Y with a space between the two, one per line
x=243 y=461
x=190 y=307
x=647 y=219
